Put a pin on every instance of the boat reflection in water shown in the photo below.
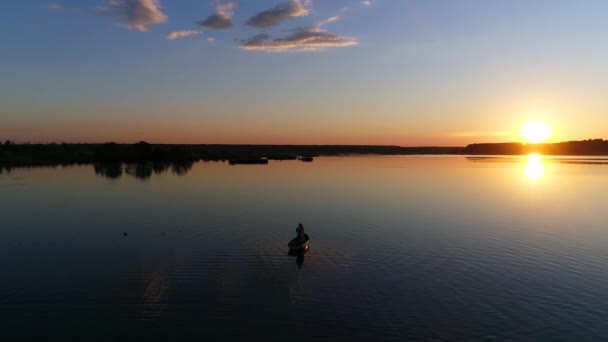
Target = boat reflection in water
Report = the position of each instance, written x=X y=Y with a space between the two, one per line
x=534 y=168
x=299 y=254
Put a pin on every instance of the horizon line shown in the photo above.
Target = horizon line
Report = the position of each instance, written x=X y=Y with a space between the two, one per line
x=266 y=144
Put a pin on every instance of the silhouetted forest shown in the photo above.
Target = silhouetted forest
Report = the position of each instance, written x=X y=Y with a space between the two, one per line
x=142 y=152
x=591 y=147
x=143 y=159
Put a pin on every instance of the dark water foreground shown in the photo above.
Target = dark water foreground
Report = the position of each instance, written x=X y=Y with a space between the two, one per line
x=418 y=248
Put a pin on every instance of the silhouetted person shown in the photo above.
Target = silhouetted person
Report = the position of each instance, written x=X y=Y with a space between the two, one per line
x=300 y=232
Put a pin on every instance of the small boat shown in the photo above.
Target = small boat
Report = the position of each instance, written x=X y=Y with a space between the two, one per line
x=296 y=244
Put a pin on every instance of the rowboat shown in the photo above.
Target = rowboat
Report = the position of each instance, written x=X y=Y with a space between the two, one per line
x=297 y=244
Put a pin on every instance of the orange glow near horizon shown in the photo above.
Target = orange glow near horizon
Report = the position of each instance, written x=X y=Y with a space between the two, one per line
x=535 y=132
x=195 y=131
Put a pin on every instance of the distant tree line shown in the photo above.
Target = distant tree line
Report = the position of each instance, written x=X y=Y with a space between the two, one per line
x=60 y=154
x=583 y=147
x=26 y=154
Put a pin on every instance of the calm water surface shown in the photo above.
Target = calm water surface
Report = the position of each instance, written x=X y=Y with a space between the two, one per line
x=419 y=248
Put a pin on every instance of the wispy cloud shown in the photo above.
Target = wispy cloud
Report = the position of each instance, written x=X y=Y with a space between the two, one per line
x=211 y=40
x=328 y=20
x=225 y=8
x=222 y=18
x=302 y=39
x=55 y=6
x=366 y=3
x=216 y=22
x=257 y=40
x=278 y=14
x=137 y=14
x=181 y=34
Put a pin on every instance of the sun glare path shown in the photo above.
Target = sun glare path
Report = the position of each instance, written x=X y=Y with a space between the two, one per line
x=534 y=167
x=535 y=132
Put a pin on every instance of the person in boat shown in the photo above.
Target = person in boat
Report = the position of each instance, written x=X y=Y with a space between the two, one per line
x=300 y=232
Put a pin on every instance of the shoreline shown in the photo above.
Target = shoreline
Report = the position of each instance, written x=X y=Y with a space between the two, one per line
x=14 y=155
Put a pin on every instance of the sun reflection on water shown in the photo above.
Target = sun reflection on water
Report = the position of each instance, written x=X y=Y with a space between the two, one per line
x=534 y=167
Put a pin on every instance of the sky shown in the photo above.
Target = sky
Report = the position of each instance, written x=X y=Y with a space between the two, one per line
x=389 y=72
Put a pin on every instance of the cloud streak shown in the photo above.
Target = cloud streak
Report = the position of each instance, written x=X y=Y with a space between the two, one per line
x=181 y=34
x=222 y=18
x=302 y=39
x=55 y=6
x=137 y=14
x=278 y=14
x=328 y=20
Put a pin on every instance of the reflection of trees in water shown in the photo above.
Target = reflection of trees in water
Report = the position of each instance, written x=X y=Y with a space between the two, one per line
x=159 y=168
x=139 y=170
x=143 y=171
x=154 y=299
x=108 y=170
x=181 y=168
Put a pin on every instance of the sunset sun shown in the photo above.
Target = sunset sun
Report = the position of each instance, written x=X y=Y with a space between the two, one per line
x=535 y=132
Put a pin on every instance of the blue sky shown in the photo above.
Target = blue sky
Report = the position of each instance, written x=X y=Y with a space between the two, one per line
x=401 y=72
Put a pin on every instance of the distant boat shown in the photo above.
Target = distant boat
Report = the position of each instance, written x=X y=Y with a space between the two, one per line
x=306 y=159
x=295 y=244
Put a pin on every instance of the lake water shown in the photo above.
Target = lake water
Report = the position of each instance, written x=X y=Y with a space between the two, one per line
x=402 y=247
